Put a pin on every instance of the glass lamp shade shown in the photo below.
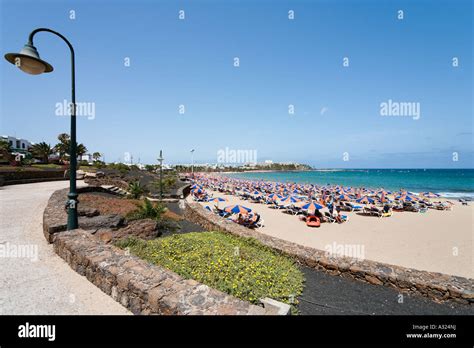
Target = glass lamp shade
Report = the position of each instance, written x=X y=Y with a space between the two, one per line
x=28 y=60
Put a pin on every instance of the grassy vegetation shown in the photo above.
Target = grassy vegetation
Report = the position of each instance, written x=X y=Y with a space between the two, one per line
x=50 y=165
x=88 y=168
x=241 y=267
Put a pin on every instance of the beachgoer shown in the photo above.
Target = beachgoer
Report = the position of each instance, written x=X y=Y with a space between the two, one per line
x=338 y=217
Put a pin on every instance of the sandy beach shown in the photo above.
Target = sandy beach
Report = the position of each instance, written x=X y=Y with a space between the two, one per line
x=436 y=241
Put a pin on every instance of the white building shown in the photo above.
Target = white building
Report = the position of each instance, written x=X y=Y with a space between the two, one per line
x=268 y=163
x=87 y=157
x=17 y=144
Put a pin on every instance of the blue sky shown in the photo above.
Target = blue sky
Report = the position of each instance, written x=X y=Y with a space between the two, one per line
x=282 y=62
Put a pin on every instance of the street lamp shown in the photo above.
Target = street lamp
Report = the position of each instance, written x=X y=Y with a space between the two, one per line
x=192 y=162
x=161 y=174
x=28 y=60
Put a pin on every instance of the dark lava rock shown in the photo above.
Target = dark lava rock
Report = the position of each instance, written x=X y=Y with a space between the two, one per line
x=144 y=229
x=87 y=211
x=101 y=221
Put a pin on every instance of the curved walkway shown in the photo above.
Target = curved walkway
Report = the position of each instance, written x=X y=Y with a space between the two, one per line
x=40 y=282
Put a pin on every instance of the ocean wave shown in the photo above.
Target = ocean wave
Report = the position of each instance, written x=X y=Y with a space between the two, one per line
x=328 y=170
x=466 y=195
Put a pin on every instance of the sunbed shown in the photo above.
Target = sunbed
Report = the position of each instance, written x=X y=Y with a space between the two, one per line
x=328 y=217
x=355 y=207
x=346 y=207
x=373 y=211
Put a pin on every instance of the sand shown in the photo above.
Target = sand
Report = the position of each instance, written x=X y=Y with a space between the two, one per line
x=436 y=241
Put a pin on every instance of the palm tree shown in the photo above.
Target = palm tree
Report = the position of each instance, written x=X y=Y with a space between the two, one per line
x=135 y=189
x=81 y=150
x=96 y=156
x=42 y=150
x=148 y=210
x=5 y=146
x=5 y=151
x=64 y=144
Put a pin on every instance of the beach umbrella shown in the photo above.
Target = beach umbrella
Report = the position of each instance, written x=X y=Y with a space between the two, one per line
x=217 y=199
x=406 y=198
x=196 y=186
x=384 y=199
x=344 y=198
x=237 y=209
x=290 y=199
x=365 y=200
x=312 y=206
x=197 y=190
x=274 y=196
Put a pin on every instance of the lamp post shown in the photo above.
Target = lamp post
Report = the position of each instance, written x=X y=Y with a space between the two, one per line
x=192 y=162
x=161 y=174
x=28 y=60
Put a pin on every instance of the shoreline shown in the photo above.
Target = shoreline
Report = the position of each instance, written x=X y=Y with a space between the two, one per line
x=448 y=195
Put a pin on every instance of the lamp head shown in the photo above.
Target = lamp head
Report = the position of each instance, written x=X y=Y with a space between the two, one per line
x=29 y=61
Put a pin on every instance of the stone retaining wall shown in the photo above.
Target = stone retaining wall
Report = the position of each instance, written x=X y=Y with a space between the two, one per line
x=183 y=191
x=138 y=285
x=30 y=176
x=437 y=286
x=142 y=287
x=55 y=214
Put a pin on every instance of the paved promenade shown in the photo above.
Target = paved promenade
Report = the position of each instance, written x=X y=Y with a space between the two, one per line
x=44 y=284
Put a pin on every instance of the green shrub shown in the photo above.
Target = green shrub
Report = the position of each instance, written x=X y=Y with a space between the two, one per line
x=168 y=182
x=26 y=161
x=150 y=168
x=241 y=267
x=122 y=168
x=135 y=190
x=99 y=164
x=148 y=210
x=154 y=211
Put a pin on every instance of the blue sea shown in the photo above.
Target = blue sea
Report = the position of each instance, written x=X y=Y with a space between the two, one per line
x=449 y=183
